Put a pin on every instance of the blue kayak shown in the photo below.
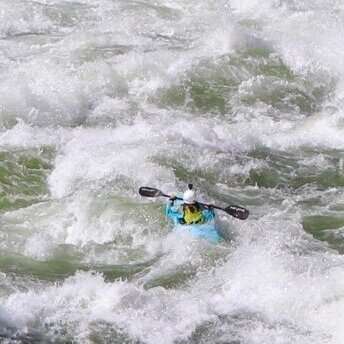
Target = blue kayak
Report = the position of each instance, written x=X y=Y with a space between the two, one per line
x=205 y=230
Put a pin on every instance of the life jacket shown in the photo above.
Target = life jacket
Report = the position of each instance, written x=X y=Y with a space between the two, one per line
x=192 y=214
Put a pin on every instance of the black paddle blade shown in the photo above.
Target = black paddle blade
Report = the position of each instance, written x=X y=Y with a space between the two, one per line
x=146 y=191
x=237 y=212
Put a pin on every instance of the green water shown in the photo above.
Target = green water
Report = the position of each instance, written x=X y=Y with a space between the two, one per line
x=243 y=99
x=23 y=176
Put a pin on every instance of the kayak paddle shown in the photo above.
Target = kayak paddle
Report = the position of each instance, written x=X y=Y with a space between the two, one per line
x=233 y=210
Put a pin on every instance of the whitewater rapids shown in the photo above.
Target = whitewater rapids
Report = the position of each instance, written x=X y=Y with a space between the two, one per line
x=244 y=99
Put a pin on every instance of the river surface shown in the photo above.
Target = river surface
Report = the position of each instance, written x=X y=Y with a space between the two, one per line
x=242 y=98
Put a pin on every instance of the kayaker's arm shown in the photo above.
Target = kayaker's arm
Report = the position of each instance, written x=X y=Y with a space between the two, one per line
x=208 y=213
x=172 y=211
x=172 y=199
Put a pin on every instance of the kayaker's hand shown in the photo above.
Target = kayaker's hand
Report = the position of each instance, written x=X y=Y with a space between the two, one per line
x=211 y=208
x=173 y=198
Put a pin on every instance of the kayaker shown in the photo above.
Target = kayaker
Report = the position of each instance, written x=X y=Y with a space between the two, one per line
x=189 y=211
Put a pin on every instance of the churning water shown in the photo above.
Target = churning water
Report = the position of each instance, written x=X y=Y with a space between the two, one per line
x=243 y=98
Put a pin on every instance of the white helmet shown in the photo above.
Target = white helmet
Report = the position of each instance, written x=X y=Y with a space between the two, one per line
x=189 y=197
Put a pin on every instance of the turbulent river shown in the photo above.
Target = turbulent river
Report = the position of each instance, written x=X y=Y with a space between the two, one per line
x=242 y=98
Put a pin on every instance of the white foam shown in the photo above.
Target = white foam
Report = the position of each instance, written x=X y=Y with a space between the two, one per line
x=107 y=154
x=284 y=295
x=86 y=298
x=279 y=283
x=19 y=18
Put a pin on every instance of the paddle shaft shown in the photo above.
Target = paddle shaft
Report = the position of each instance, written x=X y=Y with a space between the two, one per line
x=200 y=203
x=233 y=210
